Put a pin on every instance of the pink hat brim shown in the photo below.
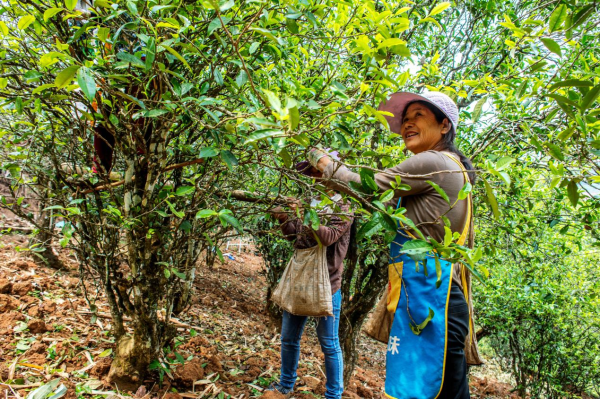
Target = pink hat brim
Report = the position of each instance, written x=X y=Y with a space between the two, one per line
x=396 y=105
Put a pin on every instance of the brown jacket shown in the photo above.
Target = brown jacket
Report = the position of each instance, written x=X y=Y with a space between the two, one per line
x=334 y=233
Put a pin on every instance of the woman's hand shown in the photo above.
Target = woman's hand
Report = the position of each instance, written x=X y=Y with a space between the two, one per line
x=278 y=213
x=319 y=159
x=323 y=162
x=281 y=214
x=294 y=205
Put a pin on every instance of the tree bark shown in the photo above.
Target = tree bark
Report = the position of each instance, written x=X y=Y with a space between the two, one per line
x=273 y=310
x=362 y=281
x=46 y=224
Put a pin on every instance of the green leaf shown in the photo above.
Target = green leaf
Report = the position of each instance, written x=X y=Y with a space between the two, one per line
x=227 y=218
x=571 y=83
x=367 y=178
x=439 y=8
x=552 y=46
x=401 y=50
x=589 y=99
x=150 y=53
x=241 y=79
x=416 y=249
x=555 y=151
x=50 y=12
x=208 y=152
x=229 y=159
x=477 y=110
x=153 y=113
x=205 y=213
x=184 y=190
x=175 y=212
x=582 y=15
x=573 y=193
x=294 y=118
x=438 y=272
x=429 y=19
x=387 y=196
x=369 y=228
x=267 y=34
x=390 y=43
x=66 y=76
x=464 y=192
x=557 y=18
x=43 y=391
x=504 y=162
x=25 y=21
x=562 y=100
x=273 y=100
x=132 y=59
x=3 y=29
x=565 y=134
x=301 y=139
x=227 y=5
x=418 y=329
x=492 y=199
x=70 y=4
x=292 y=25
x=86 y=83
x=178 y=273
x=102 y=3
x=216 y=24
x=263 y=134
x=105 y=353
x=378 y=115
x=311 y=218
x=41 y=88
x=388 y=222
x=103 y=34
x=253 y=47
x=439 y=190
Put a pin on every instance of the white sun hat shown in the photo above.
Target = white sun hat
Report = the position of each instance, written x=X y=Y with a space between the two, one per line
x=398 y=102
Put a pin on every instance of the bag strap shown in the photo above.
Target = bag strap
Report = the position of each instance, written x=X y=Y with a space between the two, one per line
x=468 y=223
x=465 y=278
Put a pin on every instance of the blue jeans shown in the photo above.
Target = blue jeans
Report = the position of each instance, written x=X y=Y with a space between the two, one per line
x=327 y=331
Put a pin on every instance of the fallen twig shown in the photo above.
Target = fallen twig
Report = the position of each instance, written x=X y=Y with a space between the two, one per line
x=175 y=322
x=17 y=386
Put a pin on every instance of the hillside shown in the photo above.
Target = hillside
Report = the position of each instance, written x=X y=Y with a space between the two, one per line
x=48 y=332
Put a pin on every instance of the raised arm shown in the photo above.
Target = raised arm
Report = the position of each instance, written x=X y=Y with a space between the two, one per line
x=327 y=233
x=411 y=173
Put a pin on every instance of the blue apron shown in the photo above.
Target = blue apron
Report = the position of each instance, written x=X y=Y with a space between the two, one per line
x=415 y=361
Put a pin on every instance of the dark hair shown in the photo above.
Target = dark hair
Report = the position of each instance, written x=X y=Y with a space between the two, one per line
x=447 y=141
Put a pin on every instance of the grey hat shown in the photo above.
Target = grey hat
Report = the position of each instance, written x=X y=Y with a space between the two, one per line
x=398 y=102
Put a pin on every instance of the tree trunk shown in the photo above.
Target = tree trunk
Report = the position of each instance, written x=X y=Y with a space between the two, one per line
x=135 y=353
x=364 y=277
x=183 y=297
x=276 y=252
x=150 y=334
x=46 y=223
x=349 y=337
x=130 y=363
x=273 y=310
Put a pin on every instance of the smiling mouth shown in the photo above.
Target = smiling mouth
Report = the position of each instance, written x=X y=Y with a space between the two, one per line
x=410 y=134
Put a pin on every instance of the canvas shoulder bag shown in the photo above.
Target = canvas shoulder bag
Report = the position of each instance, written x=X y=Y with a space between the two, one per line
x=304 y=288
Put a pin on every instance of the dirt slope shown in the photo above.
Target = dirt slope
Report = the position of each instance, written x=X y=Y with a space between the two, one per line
x=225 y=340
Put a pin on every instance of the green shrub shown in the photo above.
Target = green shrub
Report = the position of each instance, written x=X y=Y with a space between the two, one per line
x=544 y=324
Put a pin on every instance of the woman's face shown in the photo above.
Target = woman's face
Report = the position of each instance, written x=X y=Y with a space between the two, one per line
x=420 y=130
